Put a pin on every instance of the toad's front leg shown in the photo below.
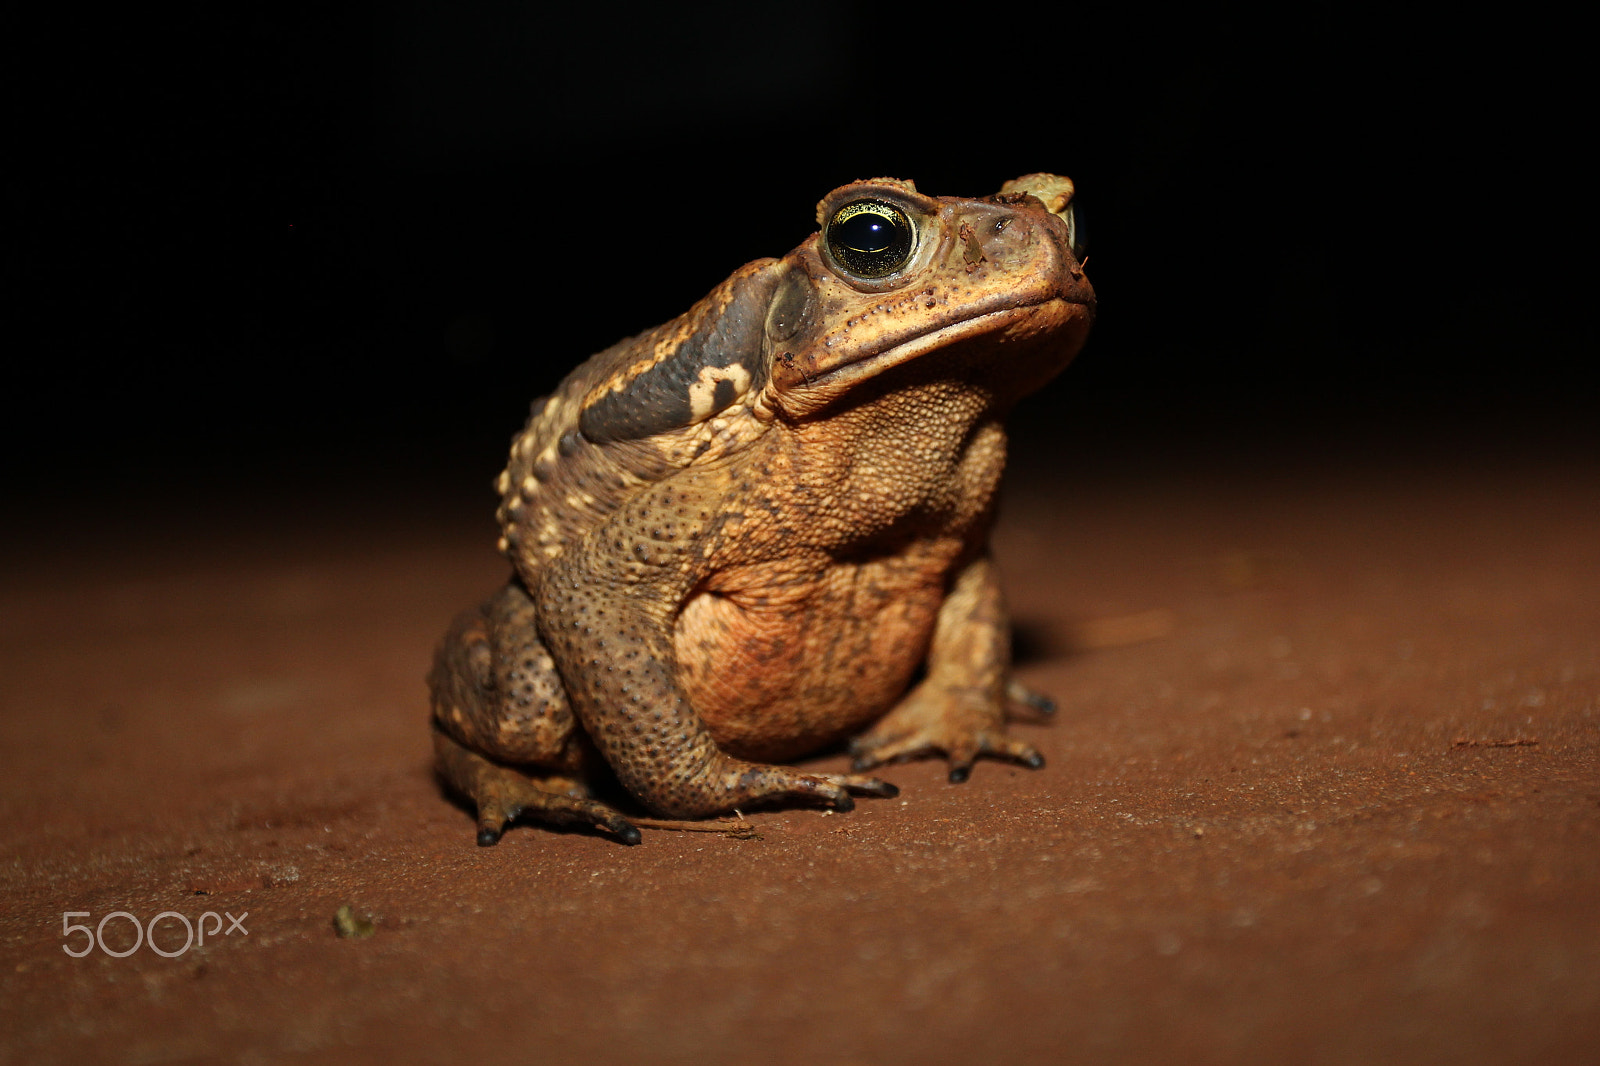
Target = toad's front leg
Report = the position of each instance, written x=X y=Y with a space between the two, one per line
x=608 y=624
x=960 y=707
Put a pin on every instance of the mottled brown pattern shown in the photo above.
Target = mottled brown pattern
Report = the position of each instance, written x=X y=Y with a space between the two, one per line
x=767 y=540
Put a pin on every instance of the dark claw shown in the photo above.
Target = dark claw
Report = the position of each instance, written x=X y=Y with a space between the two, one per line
x=630 y=835
x=488 y=838
x=1036 y=704
x=1034 y=761
x=959 y=774
x=844 y=803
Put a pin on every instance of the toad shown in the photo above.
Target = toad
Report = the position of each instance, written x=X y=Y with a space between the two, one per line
x=760 y=530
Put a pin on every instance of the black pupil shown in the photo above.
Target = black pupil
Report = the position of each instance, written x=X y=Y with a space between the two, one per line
x=865 y=232
x=870 y=239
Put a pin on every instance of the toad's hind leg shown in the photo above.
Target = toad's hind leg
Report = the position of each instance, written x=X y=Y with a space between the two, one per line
x=498 y=700
x=502 y=795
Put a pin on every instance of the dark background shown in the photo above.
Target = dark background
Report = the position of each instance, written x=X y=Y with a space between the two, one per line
x=247 y=253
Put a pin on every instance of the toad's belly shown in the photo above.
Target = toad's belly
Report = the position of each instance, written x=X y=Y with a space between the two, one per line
x=779 y=666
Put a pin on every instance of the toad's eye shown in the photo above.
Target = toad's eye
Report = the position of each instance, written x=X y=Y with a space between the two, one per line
x=870 y=238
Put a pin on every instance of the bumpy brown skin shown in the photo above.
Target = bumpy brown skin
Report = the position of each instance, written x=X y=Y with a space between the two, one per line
x=738 y=537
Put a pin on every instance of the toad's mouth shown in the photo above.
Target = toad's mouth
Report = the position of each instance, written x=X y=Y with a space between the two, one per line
x=1028 y=321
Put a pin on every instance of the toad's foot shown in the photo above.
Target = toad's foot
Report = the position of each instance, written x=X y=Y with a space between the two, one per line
x=502 y=795
x=963 y=723
x=730 y=784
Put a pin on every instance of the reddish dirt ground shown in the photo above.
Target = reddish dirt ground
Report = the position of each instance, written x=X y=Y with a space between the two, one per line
x=1325 y=787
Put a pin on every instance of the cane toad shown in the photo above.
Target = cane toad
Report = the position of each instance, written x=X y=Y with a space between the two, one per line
x=761 y=529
